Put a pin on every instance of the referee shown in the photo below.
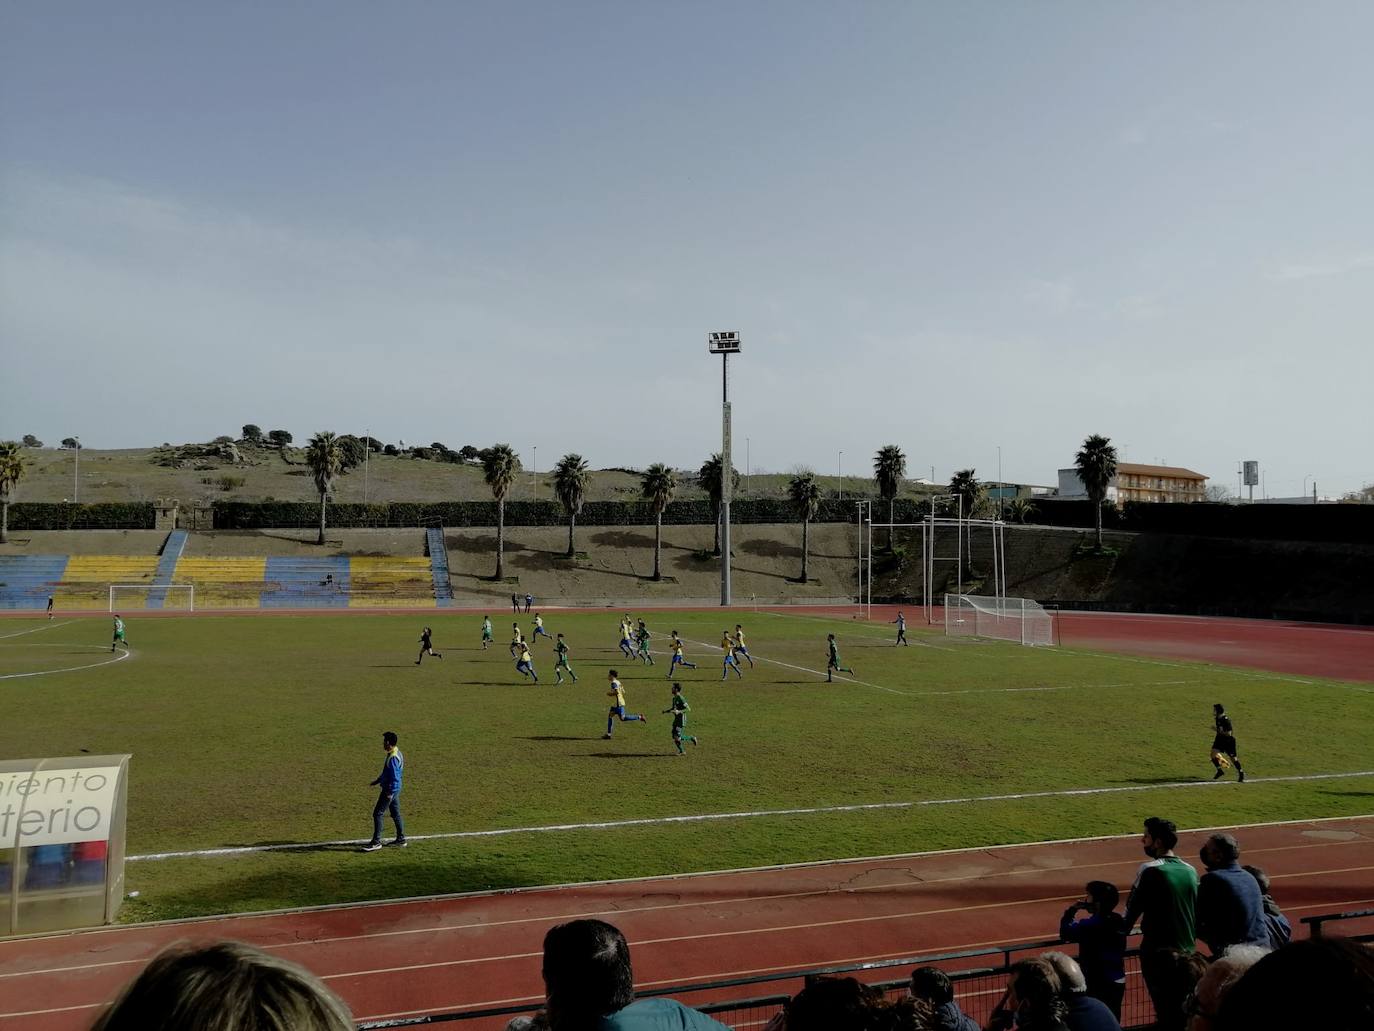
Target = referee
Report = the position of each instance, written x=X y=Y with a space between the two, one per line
x=1224 y=743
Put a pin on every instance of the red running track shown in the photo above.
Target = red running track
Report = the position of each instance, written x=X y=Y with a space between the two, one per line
x=444 y=954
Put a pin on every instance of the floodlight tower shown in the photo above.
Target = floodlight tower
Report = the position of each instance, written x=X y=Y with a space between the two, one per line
x=724 y=344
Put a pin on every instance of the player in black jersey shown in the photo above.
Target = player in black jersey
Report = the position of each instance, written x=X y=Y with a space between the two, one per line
x=1224 y=744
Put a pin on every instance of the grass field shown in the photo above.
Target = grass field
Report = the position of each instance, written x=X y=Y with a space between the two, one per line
x=253 y=730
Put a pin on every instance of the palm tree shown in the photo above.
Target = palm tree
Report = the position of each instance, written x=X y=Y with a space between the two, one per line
x=500 y=466
x=805 y=494
x=711 y=480
x=324 y=455
x=571 y=478
x=11 y=472
x=1021 y=509
x=658 y=484
x=965 y=486
x=889 y=467
x=1096 y=465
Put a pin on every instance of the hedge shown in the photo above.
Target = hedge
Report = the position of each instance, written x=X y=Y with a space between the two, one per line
x=109 y=515
x=243 y=515
x=1330 y=523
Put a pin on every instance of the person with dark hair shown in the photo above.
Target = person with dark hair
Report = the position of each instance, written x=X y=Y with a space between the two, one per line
x=933 y=986
x=1326 y=984
x=1101 y=939
x=515 y=604
x=1280 y=930
x=617 y=711
x=388 y=800
x=1230 y=905
x=589 y=985
x=1222 y=974
x=1084 y=1012
x=1032 y=1001
x=1224 y=744
x=1164 y=900
x=427 y=646
x=224 y=987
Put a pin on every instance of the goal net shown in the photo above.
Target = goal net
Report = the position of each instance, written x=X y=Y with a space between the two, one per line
x=178 y=597
x=1003 y=619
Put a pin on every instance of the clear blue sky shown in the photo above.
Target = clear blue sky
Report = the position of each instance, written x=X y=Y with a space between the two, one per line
x=948 y=226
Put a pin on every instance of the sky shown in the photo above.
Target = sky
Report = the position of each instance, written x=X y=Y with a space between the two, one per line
x=954 y=227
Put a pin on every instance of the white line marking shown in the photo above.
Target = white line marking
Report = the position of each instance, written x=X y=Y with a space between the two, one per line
x=240 y=850
x=819 y=673
x=36 y=630
x=70 y=669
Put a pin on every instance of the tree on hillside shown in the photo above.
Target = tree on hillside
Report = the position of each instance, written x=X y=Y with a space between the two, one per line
x=500 y=466
x=1096 y=465
x=281 y=438
x=657 y=485
x=325 y=458
x=31 y=441
x=889 y=468
x=71 y=443
x=468 y=453
x=352 y=451
x=805 y=494
x=571 y=478
x=252 y=433
x=713 y=483
x=11 y=472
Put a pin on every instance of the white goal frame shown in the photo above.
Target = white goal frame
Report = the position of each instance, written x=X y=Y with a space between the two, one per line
x=147 y=588
x=1020 y=620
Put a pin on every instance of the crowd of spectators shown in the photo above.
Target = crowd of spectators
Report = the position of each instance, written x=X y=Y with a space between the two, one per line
x=1256 y=977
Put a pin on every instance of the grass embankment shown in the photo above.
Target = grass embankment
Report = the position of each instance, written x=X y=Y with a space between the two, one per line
x=249 y=730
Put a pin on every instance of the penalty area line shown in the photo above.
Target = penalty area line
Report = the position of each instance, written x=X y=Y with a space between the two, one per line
x=659 y=821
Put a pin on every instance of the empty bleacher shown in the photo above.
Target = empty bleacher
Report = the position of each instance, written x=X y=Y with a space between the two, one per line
x=223 y=583
x=390 y=581
x=27 y=580
x=85 y=583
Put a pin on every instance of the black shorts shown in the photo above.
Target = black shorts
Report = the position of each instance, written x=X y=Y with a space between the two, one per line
x=1225 y=744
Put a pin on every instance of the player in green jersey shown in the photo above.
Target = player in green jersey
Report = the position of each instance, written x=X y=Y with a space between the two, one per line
x=486 y=632
x=560 y=648
x=679 y=708
x=119 y=637
x=833 y=666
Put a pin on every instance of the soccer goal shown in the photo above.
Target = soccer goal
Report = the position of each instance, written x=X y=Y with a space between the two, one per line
x=1003 y=619
x=177 y=597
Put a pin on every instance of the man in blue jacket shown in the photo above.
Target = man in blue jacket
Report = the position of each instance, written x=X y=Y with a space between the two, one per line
x=389 y=780
x=1230 y=905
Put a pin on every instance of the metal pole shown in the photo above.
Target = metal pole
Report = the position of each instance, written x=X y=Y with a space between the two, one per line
x=76 y=472
x=534 y=474
x=726 y=479
x=868 y=611
x=1001 y=487
x=859 y=555
x=839 y=472
x=959 y=545
x=367 y=457
x=747 y=466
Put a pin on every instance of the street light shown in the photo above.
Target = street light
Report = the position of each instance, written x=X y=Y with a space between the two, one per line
x=76 y=472
x=724 y=343
x=839 y=471
x=535 y=471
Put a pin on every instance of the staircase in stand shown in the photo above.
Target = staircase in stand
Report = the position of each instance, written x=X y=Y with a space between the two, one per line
x=438 y=564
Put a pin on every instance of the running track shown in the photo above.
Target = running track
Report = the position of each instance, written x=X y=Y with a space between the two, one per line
x=437 y=955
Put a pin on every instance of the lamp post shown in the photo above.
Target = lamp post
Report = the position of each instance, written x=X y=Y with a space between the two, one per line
x=1001 y=487
x=367 y=455
x=746 y=465
x=76 y=472
x=839 y=471
x=724 y=343
x=535 y=471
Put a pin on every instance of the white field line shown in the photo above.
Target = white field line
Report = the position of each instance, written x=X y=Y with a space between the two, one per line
x=69 y=669
x=819 y=673
x=239 y=850
x=36 y=630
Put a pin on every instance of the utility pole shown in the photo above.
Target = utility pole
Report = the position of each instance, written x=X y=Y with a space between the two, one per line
x=724 y=344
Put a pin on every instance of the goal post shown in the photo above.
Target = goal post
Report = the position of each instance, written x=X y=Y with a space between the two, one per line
x=176 y=597
x=1021 y=620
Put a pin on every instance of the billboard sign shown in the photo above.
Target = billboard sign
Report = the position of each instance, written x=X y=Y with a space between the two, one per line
x=1251 y=474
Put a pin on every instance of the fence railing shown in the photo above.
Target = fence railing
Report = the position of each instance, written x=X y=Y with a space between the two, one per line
x=1317 y=924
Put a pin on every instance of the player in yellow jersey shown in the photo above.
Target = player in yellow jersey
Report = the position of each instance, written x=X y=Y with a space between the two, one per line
x=525 y=665
x=727 y=648
x=740 y=649
x=678 y=660
x=617 y=696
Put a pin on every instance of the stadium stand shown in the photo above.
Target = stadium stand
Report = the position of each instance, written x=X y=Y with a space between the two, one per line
x=306 y=582
x=223 y=583
x=26 y=580
x=85 y=583
x=166 y=566
x=384 y=581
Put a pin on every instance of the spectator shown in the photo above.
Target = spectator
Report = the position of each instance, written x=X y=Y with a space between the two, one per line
x=589 y=986
x=1325 y=984
x=847 y=1004
x=1084 y=1012
x=1032 y=1000
x=224 y=987
x=1101 y=938
x=1204 y=1001
x=933 y=986
x=1164 y=900
x=1280 y=930
x=1230 y=906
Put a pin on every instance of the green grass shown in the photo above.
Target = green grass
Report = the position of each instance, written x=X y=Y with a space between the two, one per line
x=247 y=730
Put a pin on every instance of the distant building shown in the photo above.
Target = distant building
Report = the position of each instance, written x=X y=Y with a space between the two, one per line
x=1134 y=482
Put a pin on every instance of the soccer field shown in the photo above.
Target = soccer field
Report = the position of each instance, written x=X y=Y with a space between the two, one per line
x=254 y=731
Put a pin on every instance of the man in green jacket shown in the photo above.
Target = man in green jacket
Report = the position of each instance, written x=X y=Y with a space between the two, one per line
x=1164 y=900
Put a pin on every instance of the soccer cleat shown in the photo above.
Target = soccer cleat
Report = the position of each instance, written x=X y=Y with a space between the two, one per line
x=605 y=737
x=417 y=662
x=1242 y=777
x=372 y=846
x=1218 y=774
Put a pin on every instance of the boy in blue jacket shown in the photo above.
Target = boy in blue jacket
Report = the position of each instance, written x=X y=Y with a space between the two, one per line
x=389 y=780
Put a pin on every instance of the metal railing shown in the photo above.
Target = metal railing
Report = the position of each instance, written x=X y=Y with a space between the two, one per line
x=1317 y=924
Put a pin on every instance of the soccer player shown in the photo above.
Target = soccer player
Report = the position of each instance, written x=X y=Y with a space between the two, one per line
x=642 y=636
x=901 y=631
x=119 y=637
x=678 y=660
x=517 y=639
x=617 y=694
x=1224 y=743
x=50 y=606
x=426 y=646
x=679 y=708
x=539 y=628
x=525 y=665
x=486 y=632
x=727 y=647
x=560 y=648
x=740 y=649
x=626 y=634
x=833 y=666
